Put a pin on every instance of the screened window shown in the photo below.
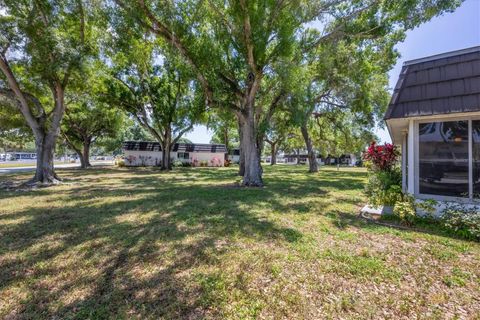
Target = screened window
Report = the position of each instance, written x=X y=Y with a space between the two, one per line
x=183 y=155
x=443 y=158
x=476 y=158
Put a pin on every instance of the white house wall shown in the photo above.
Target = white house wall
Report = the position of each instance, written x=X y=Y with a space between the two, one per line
x=234 y=158
x=135 y=158
x=204 y=156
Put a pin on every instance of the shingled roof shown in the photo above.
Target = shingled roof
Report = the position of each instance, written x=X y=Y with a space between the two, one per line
x=441 y=84
x=178 y=147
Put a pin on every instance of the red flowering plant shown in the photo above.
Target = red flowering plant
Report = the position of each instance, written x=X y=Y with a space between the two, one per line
x=384 y=181
x=381 y=158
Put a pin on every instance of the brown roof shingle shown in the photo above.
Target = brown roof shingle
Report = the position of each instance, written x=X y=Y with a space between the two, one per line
x=442 y=84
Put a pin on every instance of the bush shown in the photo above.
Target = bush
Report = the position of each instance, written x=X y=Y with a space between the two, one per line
x=204 y=163
x=186 y=164
x=216 y=162
x=462 y=220
x=120 y=163
x=384 y=187
x=177 y=163
x=405 y=209
x=227 y=163
x=385 y=178
x=381 y=158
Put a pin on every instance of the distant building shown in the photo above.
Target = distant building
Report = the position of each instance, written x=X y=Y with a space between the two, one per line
x=144 y=153
x=344 y=159
x=23 y=155
x=349 y=159
x=234 y=155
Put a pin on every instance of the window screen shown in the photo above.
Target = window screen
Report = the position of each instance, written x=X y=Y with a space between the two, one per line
x=183 y=155
x=476 y=157
x=443 y=158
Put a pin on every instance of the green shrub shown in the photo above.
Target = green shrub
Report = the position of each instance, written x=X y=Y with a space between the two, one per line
x=177 y=163
x=120 y=163
x=462 y=220
x=384 y=187
x=428 y=206
x=405 y=209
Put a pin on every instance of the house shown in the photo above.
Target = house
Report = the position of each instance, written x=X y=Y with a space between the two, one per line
x=143 y=153
x=434 y=115
x=23 y=155
x=349 y=159
x=301 y=158
x=345 y=159
x=234 y=156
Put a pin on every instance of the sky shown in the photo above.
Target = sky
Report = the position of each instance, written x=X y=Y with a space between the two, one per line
x=449 y=32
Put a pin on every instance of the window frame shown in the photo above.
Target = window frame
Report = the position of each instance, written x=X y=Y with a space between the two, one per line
x=419 y=195
x=183 y=155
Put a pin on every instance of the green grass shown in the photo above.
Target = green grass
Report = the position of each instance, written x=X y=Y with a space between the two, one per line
x=140 y=243
x=14 y=164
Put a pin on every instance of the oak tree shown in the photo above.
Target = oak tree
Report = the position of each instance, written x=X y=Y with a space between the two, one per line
x=234 y=46
x=43 y=44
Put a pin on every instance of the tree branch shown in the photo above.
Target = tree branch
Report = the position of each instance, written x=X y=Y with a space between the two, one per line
x=181 y=133
x=20 y=96
x=247 y=36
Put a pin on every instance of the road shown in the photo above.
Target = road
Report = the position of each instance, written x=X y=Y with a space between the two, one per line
x=66 y=165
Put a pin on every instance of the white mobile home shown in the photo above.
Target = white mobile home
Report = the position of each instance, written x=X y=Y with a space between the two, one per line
x=234 y=156
x=141 y=153
x=434 y=115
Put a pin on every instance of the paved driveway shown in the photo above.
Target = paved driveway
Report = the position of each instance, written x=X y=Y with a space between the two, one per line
x=66 y=165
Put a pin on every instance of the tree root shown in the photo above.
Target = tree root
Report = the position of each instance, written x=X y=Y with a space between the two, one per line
x=43 y=183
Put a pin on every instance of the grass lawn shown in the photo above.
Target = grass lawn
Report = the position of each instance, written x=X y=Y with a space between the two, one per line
x=140 y=243
x=13 y=164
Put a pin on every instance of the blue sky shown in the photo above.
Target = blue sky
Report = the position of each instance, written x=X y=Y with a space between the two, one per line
x=452 y=31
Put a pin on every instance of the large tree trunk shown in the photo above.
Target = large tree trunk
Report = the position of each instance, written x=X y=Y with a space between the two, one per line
x=241 y=160
x=86 y=153
x=45 y=149
x=312 y=159
x=253 y=170
x=273 y=160
x=83 y=165
x=166 y=157
x=166 y=148
x=45 y=140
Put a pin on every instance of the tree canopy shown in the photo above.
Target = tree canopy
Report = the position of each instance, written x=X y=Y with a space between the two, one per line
x=155 y=88
x=247 y=63
x=43 y=45
x=240 y=51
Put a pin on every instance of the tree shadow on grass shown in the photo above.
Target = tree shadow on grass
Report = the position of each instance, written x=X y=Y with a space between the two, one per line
x=188 y=222
x=143 y=236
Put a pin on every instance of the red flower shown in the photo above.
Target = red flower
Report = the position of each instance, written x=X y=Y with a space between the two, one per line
x=383 y=158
